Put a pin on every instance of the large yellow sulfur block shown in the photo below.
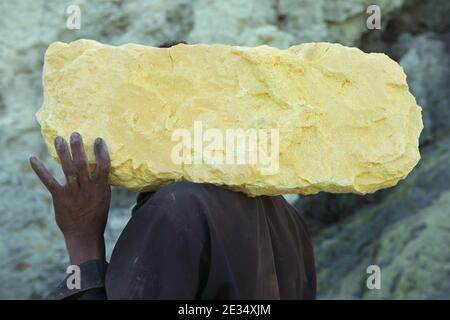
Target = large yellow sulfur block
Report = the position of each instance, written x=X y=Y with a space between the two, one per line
x=315 y=117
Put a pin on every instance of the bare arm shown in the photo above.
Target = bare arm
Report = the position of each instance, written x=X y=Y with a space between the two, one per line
x=81 y=205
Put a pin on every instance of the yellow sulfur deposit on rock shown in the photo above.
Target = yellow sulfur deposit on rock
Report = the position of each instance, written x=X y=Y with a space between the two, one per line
x=315 y=117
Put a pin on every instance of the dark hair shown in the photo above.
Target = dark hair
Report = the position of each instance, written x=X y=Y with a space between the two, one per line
x=169 y=44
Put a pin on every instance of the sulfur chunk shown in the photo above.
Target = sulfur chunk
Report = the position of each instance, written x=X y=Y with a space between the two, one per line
x=315 y=117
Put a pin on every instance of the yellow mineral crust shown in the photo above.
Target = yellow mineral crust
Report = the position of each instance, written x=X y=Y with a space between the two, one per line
x=346 y=119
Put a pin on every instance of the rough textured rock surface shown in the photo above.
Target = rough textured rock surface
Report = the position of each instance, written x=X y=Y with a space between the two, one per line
x=407 y=235
x=346 y=120
x=32 y=257
x=429 y=78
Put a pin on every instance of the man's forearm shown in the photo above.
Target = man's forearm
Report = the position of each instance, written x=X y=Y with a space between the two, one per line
x=85 y=248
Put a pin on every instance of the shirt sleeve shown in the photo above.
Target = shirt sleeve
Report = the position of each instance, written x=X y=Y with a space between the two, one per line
x=92 y=283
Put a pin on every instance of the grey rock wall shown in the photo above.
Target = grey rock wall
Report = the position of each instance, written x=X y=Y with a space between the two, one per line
x=403 y=229
x=407 y=235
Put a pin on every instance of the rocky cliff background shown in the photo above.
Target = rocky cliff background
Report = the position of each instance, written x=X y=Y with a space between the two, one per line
x=405 y=230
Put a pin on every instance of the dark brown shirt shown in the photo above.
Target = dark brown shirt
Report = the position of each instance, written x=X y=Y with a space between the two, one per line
x=200 y=241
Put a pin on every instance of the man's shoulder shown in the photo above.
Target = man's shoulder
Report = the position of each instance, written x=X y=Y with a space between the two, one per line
x=180 y=197
x=195 y=208
x=186 y=192
x=192 y=200
x=189 y=201
x=184 y=188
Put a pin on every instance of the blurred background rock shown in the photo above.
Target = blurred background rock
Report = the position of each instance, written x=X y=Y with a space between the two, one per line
x=405 y=230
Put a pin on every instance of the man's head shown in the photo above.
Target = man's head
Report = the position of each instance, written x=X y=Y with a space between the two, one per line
x=169 y=44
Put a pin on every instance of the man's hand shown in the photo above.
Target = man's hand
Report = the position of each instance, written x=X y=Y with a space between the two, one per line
x=82 y=205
